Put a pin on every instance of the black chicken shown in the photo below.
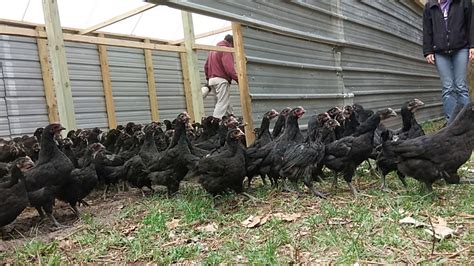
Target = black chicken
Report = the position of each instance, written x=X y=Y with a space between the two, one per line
x=14 y=198
x=51 y=172
x=350 y=121
x=67 y=150
x=269 y=158
x=301 y=161
x=437 y=156
x=386 y=161
x=280 y=122
x=82 y=180
x=362 y=114
x=262 y=138
x=225 y=169
x=346 y=154
x=175 y=162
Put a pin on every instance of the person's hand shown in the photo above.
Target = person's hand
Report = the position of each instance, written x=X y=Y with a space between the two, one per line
x=431 y=59
x=471 y=54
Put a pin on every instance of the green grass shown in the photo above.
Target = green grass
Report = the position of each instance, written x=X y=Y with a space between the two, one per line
x=338 y=230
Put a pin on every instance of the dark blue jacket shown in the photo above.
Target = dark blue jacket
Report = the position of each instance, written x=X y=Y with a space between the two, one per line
x=457 y=35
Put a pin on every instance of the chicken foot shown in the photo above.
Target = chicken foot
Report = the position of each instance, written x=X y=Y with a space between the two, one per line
x=308 y=181
x=250 y=197
x=353 y=189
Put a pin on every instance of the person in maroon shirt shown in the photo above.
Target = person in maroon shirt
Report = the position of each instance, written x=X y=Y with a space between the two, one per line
x=220 y=72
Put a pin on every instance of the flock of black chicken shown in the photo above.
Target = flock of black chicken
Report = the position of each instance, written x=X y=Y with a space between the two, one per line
x=38 y=170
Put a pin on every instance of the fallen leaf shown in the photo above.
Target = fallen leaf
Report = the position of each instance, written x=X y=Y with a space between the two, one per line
x=252 y=221
x=173 y=223
x=442 y=221
x=411 y=220
x=287 y=217
x=66 y=244
x=440 y=231
x=210 y=227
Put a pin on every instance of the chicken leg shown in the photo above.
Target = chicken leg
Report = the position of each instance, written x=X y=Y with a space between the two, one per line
x=308 y=181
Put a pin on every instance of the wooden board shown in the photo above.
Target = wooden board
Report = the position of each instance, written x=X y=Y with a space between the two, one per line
x=241 y=64
x=187 y=85
x=48 y=83
x=151 y=84
x=21 y=31
x=109 y=98
x=57 y=55
x=192 y=66
x=118 y=18
x=205 y=34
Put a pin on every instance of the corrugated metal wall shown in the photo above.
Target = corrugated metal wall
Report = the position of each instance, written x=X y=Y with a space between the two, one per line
x=211 y=99
x=129 y=85
x=24 y=93
x=4 y=125
x=86 y=84
x=169 y=84
x=318 y=53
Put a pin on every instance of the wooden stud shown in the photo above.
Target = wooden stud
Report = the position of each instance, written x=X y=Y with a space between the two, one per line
x=57 y=54
x=204 y=35
x=150 y=73
x=192 y=66
x=187 y=85
x=122 y=43
x=118 y=18
x=48 y=82
x=420 y=2
x=107 y=83
x=213 y=48
x=111 y=41
x=245 y=100
x=121 y=36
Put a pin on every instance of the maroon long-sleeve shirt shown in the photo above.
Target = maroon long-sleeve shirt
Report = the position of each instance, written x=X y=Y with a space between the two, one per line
x=220 y=64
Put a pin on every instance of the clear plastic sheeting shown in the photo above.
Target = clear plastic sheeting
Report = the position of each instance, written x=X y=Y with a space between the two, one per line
x=160 y=22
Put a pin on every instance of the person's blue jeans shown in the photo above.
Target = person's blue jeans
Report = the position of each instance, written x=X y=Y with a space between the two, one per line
x=452 y=69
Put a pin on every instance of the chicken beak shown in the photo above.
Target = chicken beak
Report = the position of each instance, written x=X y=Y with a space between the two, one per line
x=392 y=112
x=419 y=103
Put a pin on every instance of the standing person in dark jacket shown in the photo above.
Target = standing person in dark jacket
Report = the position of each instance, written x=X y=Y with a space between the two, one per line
x=220 y=72
x=449 y=44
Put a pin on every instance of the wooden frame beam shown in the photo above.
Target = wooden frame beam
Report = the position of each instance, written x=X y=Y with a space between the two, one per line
x=150 y=73
x=48 y=82
x=187 y=85
x=204 y=35
x=420 y=2
x=118 y=18
x=57 y=54
x=245 y=99
x=213 y=48
x=192 y=64
x=102 y=40
x=107 y=83
x=29 y=25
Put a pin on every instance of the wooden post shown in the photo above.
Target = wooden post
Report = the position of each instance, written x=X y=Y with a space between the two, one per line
x=107 y=83
x=57 y=54
x=150 y=73
x=187 y=85
x=192 y=66
x=241 y=64
x=48 y=83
